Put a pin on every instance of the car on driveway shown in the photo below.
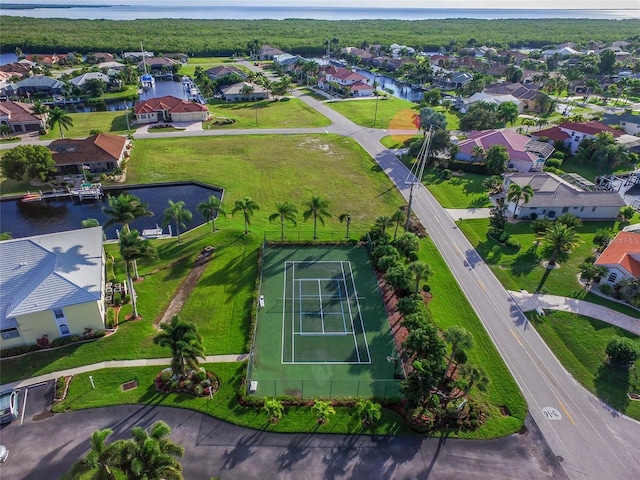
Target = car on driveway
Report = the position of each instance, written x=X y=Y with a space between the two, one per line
x=8 y=406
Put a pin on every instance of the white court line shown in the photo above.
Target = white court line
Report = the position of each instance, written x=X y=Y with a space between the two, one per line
x=320 y=304
x=293 y=314
x=364 y=332
x=284 y=304
x=344 y=320
x=346 y=291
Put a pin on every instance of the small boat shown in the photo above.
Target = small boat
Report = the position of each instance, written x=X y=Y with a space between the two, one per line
x=152 y=232
x=31 y=197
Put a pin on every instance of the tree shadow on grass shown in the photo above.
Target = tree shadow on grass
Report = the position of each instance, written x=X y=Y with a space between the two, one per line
x=612 y=385
x=524 y=264
x=545 y=276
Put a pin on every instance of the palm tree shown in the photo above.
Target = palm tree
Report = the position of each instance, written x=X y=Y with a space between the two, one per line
x=248 y=207
x=152 y=455
x=285 y=211
x=474 y=376
x=176 y=212
x=460 y=339
x=368 y=411
x=383 y=222
x=211 y=209
x=100 y=459
x=184 y=341
x=478 y=153
x=517 y=194
x=132 y=248
x=124 y=209
x=38 y=108
x=398 y=217
x=59 y=117
x=421 y=271
x=317 y=208
x=323 y=410
x=529 y=122
x=559 y=239
x=345 y=217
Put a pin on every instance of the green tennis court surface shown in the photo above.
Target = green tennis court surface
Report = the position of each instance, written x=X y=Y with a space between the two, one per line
x=323 y=330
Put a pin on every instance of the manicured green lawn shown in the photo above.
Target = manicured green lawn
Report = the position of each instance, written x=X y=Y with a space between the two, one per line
x=579 y=343
x=457 y=192
x=286 y=113
x=224 y=404
x=590 y=172
x=449 y=307
x=393 y=113
x=396 y=141
x=83 y=123
x=522 y=269
x=8 y=186
x=130 y=91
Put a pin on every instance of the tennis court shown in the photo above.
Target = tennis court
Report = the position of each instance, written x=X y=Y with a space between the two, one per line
x=322 y=329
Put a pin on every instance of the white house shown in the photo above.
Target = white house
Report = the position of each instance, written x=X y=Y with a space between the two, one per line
x=621 y=258
x=51 y=285
x=554 y=196
x=572 y=133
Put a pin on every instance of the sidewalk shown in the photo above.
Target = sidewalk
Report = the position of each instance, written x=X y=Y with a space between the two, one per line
x=530 y=301
x=468 y=213
x=144 y=362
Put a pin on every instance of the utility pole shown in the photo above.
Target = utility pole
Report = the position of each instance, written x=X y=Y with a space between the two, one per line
x=415 y=176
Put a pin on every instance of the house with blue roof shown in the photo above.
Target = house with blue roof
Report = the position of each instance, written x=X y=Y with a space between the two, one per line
x=51 y=285
x=39 y=85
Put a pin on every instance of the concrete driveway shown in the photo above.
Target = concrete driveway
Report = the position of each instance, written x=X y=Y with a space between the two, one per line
x=48 y=448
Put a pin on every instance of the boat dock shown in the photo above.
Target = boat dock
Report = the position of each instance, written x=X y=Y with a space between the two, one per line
x=87 y=191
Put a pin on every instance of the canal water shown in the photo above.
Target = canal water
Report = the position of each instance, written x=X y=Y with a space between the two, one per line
x=40 y=217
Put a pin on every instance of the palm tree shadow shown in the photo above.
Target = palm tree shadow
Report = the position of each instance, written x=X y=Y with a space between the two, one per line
x=547 y=272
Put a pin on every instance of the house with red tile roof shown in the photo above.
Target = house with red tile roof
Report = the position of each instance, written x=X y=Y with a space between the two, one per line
x=573 y=133
x=169 y=109
x=621 y=258
x=101 y=153
x=351 y=81
x=19 y=117
x=525 y=155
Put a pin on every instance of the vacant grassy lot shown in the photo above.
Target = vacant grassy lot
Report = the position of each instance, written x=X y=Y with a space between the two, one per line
x=286 y=113
x=457 y=192
x=83 y=123
x=393 y=113
x=523 y=269
x=579 y=343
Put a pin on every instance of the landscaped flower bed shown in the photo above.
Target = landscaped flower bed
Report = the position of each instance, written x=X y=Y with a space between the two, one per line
x=199 y=383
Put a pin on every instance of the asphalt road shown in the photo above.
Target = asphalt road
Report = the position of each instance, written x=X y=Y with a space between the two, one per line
x=47 y=448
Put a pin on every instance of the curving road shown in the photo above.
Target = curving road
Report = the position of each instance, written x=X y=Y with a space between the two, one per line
x=590 y=440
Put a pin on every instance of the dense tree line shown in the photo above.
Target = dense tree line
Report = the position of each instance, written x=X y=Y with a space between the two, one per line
x=224 y=37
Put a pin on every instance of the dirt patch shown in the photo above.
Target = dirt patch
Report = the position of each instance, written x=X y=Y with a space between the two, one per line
x=395 y=317
x=184 y=290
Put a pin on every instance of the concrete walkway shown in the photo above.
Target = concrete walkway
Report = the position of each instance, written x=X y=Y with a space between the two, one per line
x=468 y=213
x=530 y=301
x=144 y=362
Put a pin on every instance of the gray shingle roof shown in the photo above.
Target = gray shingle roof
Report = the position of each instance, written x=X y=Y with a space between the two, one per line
x=40 y=81
x=49 y=271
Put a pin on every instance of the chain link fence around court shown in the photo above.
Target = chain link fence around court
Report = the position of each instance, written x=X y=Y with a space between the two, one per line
x=292 y=235
x=332 y=389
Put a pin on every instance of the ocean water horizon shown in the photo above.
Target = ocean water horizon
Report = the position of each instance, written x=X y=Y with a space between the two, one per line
x=189 y=10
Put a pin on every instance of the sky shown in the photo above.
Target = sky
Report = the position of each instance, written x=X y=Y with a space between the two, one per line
x=503 y=4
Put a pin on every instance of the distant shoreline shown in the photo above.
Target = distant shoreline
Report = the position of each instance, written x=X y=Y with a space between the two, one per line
x=33 y=6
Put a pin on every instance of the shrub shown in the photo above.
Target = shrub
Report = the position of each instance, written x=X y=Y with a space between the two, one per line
x=512 y=243
x=408 y=305
x=555 y=170
x=602 y=237
x=126 y=299
x=570 y=220
x=117 y=299
x=446 y=174
x=541 y=225
x=368 y=411
x=43 y=341
x=606 y=289
x=388 y=261
x=12 y=352
x=558 y=155
x=554 y=163
x=622 y=352
x=111 y=318
x=273 y=408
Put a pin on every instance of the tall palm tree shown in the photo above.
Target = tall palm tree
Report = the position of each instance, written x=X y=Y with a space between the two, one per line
x=152 y=455
x=184 y=341
x=346 y=218
x=176 y=212
x=100 y=459
x=211 y=209
x=460 y=339
x=124 y=209
x=285 y=211
x=517 y=194
x=398 y=217
x=559 y=239
x=421 y=271
x=59 y=117
x=248 y=207
x=132 y=248
x=38 y=108
x=316 y=208
x=474 y=376
x=383 y=222
x=478 y=153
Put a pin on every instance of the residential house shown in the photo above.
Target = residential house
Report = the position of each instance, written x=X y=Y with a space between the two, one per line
x=621 y=258
x=352 y=82
x=101 y=153
x=183 y=58
x=48 y=60
x=244 y=92
x=554 y=195
x=267 y=52
x=629 y=122
x=216 y=73
x=39 y=85
x=51 y=285
x=525 y=155
x=356 y=54
x=116 y=66
x=19 y=69
x=529 y=96
x=100 y=57
x=19 y=117
x=399 y=51
x=450 y=80
x=158 y=64
x=561 y=52
x=573 y=133
x=169 y=109
x=81 y=80
x=136 y=56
